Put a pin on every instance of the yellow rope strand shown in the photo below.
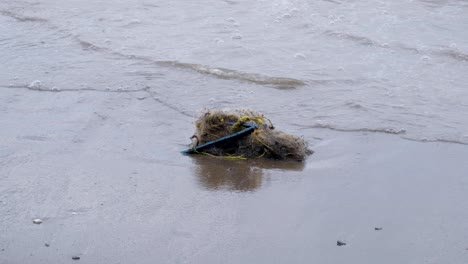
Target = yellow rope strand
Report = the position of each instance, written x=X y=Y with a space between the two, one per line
x=239 y=122
x=229 y=156
x=263 y=154
x=259 y=140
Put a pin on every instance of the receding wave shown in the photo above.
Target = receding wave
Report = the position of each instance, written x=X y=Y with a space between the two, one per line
x=385 y=131
x=21 y=18
x=370 y=130
x=355 y=38
x=448 y=53
x=440 y=140
x=444 y=52
x=454 y=54
x=90 y=46
x=355 y=105
x=440 y=4
x=35 y=86
x=221 y=73
x=336 y=81
x=41 y=88
x=331 y=1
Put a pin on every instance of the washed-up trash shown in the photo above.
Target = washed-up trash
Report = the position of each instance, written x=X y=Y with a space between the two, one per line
x=244 y=134
x=37 y=221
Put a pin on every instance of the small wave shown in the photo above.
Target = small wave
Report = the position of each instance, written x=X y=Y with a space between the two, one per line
x=454 y=54
x=441 y=4
x=440 y=140
x=132 y=23
x=229 y=74
x=369 y=130
x=21 y=18
x=145 y=74
x=355 y=38
x=40 y=88
x=355 y=105
x=89 y=46
x=448 y=53
x=334 y=2
x=385 y=131
x=33 y=138
x=221 y=73
x=230 y=2
x=336 y=81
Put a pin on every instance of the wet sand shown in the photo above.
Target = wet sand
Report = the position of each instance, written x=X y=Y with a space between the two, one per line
x=103 y=172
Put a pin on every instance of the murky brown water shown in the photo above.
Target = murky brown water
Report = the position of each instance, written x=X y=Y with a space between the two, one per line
x=97 y=98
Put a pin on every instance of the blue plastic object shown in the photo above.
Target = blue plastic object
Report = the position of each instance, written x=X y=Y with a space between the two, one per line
x=249 y=128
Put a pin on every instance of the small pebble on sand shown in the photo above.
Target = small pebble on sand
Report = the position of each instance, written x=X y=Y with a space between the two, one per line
x=378 y=228
x=47 y=244
x=37 y=221
x=75 y=258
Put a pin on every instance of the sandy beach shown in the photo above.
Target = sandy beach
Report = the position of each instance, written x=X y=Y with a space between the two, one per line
x=111 y=187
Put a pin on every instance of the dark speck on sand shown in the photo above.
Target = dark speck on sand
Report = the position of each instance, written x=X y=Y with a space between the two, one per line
x=340 y=243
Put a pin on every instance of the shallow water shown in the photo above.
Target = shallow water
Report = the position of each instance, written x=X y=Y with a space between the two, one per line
x=354 y=65
x=97 y=98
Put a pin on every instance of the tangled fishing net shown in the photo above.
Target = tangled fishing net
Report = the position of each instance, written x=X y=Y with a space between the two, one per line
x=263 y=140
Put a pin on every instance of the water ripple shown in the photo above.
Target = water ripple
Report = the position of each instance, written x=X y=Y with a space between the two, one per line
x=21 y=18
x=365 y=41
x=371 y=130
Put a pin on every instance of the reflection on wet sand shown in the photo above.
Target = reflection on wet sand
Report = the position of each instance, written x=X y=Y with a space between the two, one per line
x=237 y=175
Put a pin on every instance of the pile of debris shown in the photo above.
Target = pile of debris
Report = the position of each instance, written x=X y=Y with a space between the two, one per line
x=244 y=134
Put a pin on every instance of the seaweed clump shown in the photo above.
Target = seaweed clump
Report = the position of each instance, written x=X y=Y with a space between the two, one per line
x=264 y=141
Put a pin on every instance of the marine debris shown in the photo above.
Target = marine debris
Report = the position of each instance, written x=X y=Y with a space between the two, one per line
x=244 y=134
